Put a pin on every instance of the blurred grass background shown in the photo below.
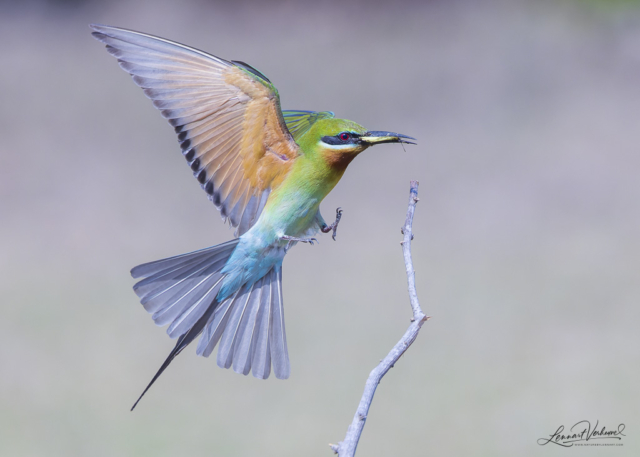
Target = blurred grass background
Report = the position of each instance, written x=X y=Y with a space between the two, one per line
x=527 y=250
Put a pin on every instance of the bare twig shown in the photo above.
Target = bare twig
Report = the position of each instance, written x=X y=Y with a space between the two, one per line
x=347 y=447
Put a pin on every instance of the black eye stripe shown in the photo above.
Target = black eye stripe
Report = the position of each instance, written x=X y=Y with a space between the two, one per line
x=354 y=138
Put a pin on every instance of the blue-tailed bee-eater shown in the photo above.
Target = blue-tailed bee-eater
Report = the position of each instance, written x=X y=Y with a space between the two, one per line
x=265 y=170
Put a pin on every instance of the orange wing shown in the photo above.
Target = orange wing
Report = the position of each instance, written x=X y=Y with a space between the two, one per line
x=227 y=116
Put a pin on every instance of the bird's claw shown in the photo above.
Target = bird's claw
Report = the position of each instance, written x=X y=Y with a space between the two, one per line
x=337 y=221
x=334 y=226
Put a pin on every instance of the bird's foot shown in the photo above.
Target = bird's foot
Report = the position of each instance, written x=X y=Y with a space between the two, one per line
x=302 y=240
x=334 y=226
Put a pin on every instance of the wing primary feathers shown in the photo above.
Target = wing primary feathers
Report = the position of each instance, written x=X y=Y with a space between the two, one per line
x=218 y=108
x=149 y=41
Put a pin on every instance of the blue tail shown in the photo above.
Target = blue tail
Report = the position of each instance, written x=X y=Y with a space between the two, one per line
x=184 y=291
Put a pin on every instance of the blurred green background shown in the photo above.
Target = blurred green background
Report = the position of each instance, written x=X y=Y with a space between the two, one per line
x=526 y=237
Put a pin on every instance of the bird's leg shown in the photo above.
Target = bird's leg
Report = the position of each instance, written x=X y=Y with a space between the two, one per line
x=302 y=240
x=327 y=228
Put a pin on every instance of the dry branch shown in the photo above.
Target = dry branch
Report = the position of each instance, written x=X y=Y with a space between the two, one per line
x=347 y=447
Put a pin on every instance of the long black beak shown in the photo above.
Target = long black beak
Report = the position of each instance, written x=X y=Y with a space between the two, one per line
x=379 y=137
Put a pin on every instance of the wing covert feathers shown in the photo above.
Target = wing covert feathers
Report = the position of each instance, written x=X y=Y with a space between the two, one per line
x=227 y=117
x=299 y=122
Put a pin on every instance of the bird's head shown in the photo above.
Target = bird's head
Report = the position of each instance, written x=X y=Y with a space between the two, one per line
x=339 y=141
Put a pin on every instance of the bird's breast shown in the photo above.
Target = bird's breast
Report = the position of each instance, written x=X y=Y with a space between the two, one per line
x=291 y=213
x=296 y=215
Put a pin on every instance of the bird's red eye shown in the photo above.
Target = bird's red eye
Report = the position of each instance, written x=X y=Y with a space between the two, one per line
x=344 y=136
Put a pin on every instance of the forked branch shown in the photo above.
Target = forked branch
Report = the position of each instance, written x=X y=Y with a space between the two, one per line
x=347 y=447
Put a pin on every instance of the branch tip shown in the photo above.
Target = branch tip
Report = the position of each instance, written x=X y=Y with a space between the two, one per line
x=347 y=447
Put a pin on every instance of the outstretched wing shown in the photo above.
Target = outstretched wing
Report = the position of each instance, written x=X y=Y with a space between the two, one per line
x=299 y=122
x=227 y=116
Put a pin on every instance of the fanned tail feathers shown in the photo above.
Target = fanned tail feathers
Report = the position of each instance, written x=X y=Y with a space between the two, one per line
x=250 y=329
x=249 y=325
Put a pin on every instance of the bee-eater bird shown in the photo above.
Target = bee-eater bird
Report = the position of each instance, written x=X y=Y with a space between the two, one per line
x=265 y=170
